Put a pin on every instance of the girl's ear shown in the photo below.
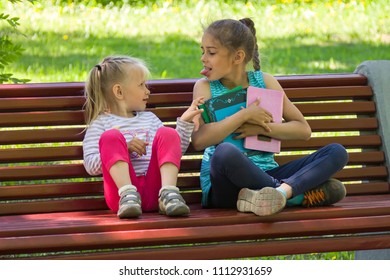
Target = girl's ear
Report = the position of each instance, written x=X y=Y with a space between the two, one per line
x=117 y=91
x=239 y=57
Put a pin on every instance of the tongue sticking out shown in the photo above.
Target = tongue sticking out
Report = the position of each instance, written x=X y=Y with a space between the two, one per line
x=204 y=71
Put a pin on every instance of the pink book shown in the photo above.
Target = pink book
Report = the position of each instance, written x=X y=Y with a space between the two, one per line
x=272 y=101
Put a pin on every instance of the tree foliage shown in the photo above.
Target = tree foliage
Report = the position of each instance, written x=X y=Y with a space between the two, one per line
x=9 y=51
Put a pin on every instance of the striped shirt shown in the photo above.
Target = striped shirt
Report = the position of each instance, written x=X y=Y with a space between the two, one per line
x=143 y=126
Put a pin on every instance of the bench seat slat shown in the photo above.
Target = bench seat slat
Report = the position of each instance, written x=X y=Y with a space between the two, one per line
x=199 y=234
x=240 y=250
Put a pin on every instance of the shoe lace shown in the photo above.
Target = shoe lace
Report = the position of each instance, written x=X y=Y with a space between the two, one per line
x=313 y=197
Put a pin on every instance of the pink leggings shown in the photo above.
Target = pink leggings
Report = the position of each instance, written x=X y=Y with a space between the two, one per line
x=113 y=148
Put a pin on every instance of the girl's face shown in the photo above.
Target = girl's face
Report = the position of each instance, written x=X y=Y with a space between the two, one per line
x=217 y=60
x=135 y=93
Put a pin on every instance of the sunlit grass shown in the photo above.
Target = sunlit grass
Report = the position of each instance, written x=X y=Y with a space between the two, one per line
x=295 y=37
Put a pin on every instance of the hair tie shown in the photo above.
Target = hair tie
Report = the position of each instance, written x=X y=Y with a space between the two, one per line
x=98 y=67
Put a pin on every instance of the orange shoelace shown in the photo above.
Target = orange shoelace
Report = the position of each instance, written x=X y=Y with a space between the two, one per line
x=313 y=197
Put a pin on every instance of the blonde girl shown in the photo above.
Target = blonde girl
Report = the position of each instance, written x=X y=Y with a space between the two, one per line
x=138 y=156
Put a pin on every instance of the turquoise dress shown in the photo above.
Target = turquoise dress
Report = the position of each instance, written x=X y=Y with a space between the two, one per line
x=263 y=160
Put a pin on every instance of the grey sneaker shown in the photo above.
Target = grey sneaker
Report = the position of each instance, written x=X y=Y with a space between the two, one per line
x=129 y=203
x=264 y=202
x=328 y=193
x=171 y=203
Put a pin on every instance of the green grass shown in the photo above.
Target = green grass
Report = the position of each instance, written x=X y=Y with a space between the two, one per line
x=63 y=42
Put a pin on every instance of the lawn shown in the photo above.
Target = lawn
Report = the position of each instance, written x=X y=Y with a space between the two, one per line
x=62 y=42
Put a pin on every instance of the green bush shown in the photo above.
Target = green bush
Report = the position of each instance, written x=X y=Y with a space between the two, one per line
x=9 y=52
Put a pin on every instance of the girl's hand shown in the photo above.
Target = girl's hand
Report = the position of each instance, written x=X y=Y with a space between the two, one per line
x=258 y=116
x=193 y=110
x=248 y=130
x=137 y=146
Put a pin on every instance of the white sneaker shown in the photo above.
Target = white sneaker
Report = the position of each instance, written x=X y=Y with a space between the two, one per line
x=264 y=202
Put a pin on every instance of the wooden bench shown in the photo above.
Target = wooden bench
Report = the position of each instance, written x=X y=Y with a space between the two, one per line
x=51 y=208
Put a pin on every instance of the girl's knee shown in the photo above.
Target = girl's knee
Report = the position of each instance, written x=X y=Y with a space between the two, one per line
x=111 y=135
x=340 y=154
x=226 y=152
x=167 y=132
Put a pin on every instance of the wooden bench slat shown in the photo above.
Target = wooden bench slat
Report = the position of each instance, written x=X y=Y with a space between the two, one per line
x=41 y=104
x=47 y=206
x=43 y=172
x=326 y=93
x=171 y=236
x=368 y=188
x=358 y=124
x=322 y=80
x=42 y=118
x=46 y=135
x=41 y=154
x=240 y=250
x=371 y=172
x=42 y=90
x=339 y=108
x=366 y=157
x=51 y=190
x=361 y=141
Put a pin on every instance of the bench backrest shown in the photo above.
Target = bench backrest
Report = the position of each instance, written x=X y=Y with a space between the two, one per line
x=42 y=126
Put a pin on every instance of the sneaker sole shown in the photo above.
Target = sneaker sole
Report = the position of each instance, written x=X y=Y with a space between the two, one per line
x=129 y=212
x=264 y=202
